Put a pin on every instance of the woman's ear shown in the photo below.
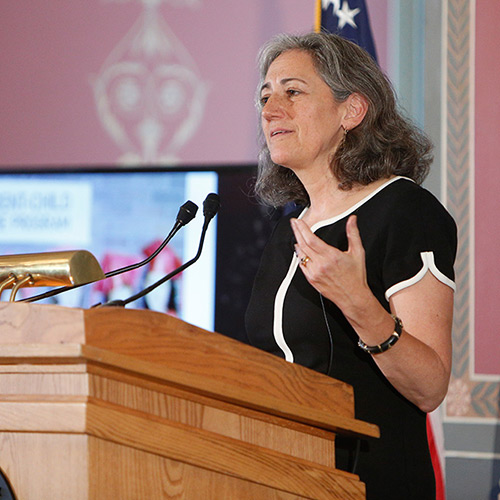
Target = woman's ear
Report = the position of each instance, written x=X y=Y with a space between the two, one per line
x=357 y=106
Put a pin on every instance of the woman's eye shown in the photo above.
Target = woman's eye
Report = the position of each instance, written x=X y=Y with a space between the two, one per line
x=263 y=100
x=293 y=92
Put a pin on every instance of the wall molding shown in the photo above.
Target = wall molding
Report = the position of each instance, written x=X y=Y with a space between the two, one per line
x=470 y=396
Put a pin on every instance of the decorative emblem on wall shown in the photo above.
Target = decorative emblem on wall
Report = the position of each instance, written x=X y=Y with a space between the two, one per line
x=149 y=95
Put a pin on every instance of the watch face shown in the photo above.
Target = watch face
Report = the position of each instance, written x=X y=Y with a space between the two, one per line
x=6 y=492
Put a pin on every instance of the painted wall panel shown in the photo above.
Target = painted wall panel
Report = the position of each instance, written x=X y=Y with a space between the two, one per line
x=487 y=187
x=168 y=81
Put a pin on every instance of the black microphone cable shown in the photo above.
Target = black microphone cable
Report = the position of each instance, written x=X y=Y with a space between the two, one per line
x=186 y=214
x=210 y=208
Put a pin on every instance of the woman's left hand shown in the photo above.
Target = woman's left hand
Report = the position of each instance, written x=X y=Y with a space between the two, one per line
x=339 y=276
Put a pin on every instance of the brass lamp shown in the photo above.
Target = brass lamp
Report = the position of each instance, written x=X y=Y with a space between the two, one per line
x=76 y=267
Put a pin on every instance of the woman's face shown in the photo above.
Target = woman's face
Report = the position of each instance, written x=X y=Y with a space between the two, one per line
x=300 y=118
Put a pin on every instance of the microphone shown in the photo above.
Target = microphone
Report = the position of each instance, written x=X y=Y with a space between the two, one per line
x=186 y=214
x=211 y=206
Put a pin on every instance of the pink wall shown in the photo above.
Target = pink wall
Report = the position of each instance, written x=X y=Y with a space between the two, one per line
x=52 y=53
x=487 y=189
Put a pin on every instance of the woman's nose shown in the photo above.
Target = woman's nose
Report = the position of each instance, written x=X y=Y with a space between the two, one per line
x=273 y=107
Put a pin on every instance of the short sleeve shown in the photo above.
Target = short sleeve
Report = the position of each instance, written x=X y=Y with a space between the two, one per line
x=421 y=236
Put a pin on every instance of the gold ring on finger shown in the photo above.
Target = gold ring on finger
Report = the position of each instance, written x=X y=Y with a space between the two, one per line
x=304 y=260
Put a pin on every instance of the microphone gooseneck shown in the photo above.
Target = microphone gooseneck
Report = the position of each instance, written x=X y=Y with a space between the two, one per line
x=186 y=214
x=210 y=208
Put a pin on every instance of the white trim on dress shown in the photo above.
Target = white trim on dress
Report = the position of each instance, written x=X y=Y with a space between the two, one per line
x=331 y=220
x=279 y=304
x=428 y=265
x=279 y=301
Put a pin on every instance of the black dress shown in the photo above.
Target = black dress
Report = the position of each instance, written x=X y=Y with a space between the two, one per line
x=405 y=232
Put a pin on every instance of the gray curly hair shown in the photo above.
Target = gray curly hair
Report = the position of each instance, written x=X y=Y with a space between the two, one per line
x=383 y=144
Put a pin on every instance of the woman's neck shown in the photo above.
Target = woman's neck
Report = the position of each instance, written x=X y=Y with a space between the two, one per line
x=328 y=200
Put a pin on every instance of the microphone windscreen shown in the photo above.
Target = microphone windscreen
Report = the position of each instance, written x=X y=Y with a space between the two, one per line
x=187 y=212
x=211 y=205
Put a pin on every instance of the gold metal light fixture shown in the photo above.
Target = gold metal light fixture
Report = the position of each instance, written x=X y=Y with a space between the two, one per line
x=76 y=267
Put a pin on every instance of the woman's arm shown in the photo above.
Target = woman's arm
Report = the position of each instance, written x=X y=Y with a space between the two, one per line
x=419 y=364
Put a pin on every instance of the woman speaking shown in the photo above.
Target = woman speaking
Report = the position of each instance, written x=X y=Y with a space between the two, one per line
x=357 y=283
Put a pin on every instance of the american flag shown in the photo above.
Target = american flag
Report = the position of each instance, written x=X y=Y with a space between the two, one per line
x=347 y=18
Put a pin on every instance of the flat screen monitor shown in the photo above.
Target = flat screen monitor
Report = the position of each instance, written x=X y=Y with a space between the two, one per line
x=121 y=216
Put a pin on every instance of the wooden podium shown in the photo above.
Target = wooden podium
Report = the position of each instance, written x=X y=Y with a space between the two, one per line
x=127 y=404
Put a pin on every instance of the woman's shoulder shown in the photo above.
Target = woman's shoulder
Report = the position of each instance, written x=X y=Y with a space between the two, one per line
x=406 y=214
x=404 y=188
x=404 y=198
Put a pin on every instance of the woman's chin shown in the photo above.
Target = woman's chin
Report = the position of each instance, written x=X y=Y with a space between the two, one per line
x=282 y=160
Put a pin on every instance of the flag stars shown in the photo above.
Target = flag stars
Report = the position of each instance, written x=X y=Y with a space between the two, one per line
x=326 y=3
x=348 y=18
x=346 y=15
